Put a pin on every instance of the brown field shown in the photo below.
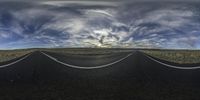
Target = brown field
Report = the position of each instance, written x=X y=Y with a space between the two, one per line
x=6 y=55
x=177 y=56
x=88 y=51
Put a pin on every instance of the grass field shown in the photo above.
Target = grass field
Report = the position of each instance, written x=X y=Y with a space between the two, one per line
x=6 y=55
x=177 y=56
x=88 y=51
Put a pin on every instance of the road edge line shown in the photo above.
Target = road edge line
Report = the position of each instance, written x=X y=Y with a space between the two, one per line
x=172 y=66
x=88 y=68
x=17 y=61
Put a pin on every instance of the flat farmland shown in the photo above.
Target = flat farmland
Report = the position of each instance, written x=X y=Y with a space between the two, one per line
x=6 y=55
x=88 y=51
x=176 y=56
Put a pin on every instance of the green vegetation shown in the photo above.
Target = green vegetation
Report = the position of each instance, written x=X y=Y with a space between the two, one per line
x=6 y=55
x=177 y=56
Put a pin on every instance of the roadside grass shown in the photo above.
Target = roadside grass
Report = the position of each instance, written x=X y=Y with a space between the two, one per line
x=177 y=56
x=6 y=55
x=88 y=51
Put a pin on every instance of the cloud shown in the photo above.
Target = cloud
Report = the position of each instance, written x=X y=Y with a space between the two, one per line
x=168 y=26
x=99 y=24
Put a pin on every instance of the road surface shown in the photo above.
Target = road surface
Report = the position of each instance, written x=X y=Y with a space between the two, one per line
x=134 y=75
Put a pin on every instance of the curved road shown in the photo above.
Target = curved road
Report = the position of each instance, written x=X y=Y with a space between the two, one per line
x=128 y=78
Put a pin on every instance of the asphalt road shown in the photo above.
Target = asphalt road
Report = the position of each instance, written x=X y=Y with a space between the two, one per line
x=45 y=76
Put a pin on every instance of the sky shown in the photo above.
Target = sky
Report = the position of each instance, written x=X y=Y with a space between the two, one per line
x=112 y=24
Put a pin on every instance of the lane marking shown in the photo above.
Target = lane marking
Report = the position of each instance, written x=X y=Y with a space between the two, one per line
x=83 y=67
x=172 y=66
x=12 y=63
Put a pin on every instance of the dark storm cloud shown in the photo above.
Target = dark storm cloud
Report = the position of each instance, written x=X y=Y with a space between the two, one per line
x=99 y=23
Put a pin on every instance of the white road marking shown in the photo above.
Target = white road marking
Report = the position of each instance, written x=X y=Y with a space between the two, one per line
x=172 y=66
x=12 y=63
x=82 y=67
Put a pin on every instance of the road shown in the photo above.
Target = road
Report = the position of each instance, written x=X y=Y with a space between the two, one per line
x=42 y=75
